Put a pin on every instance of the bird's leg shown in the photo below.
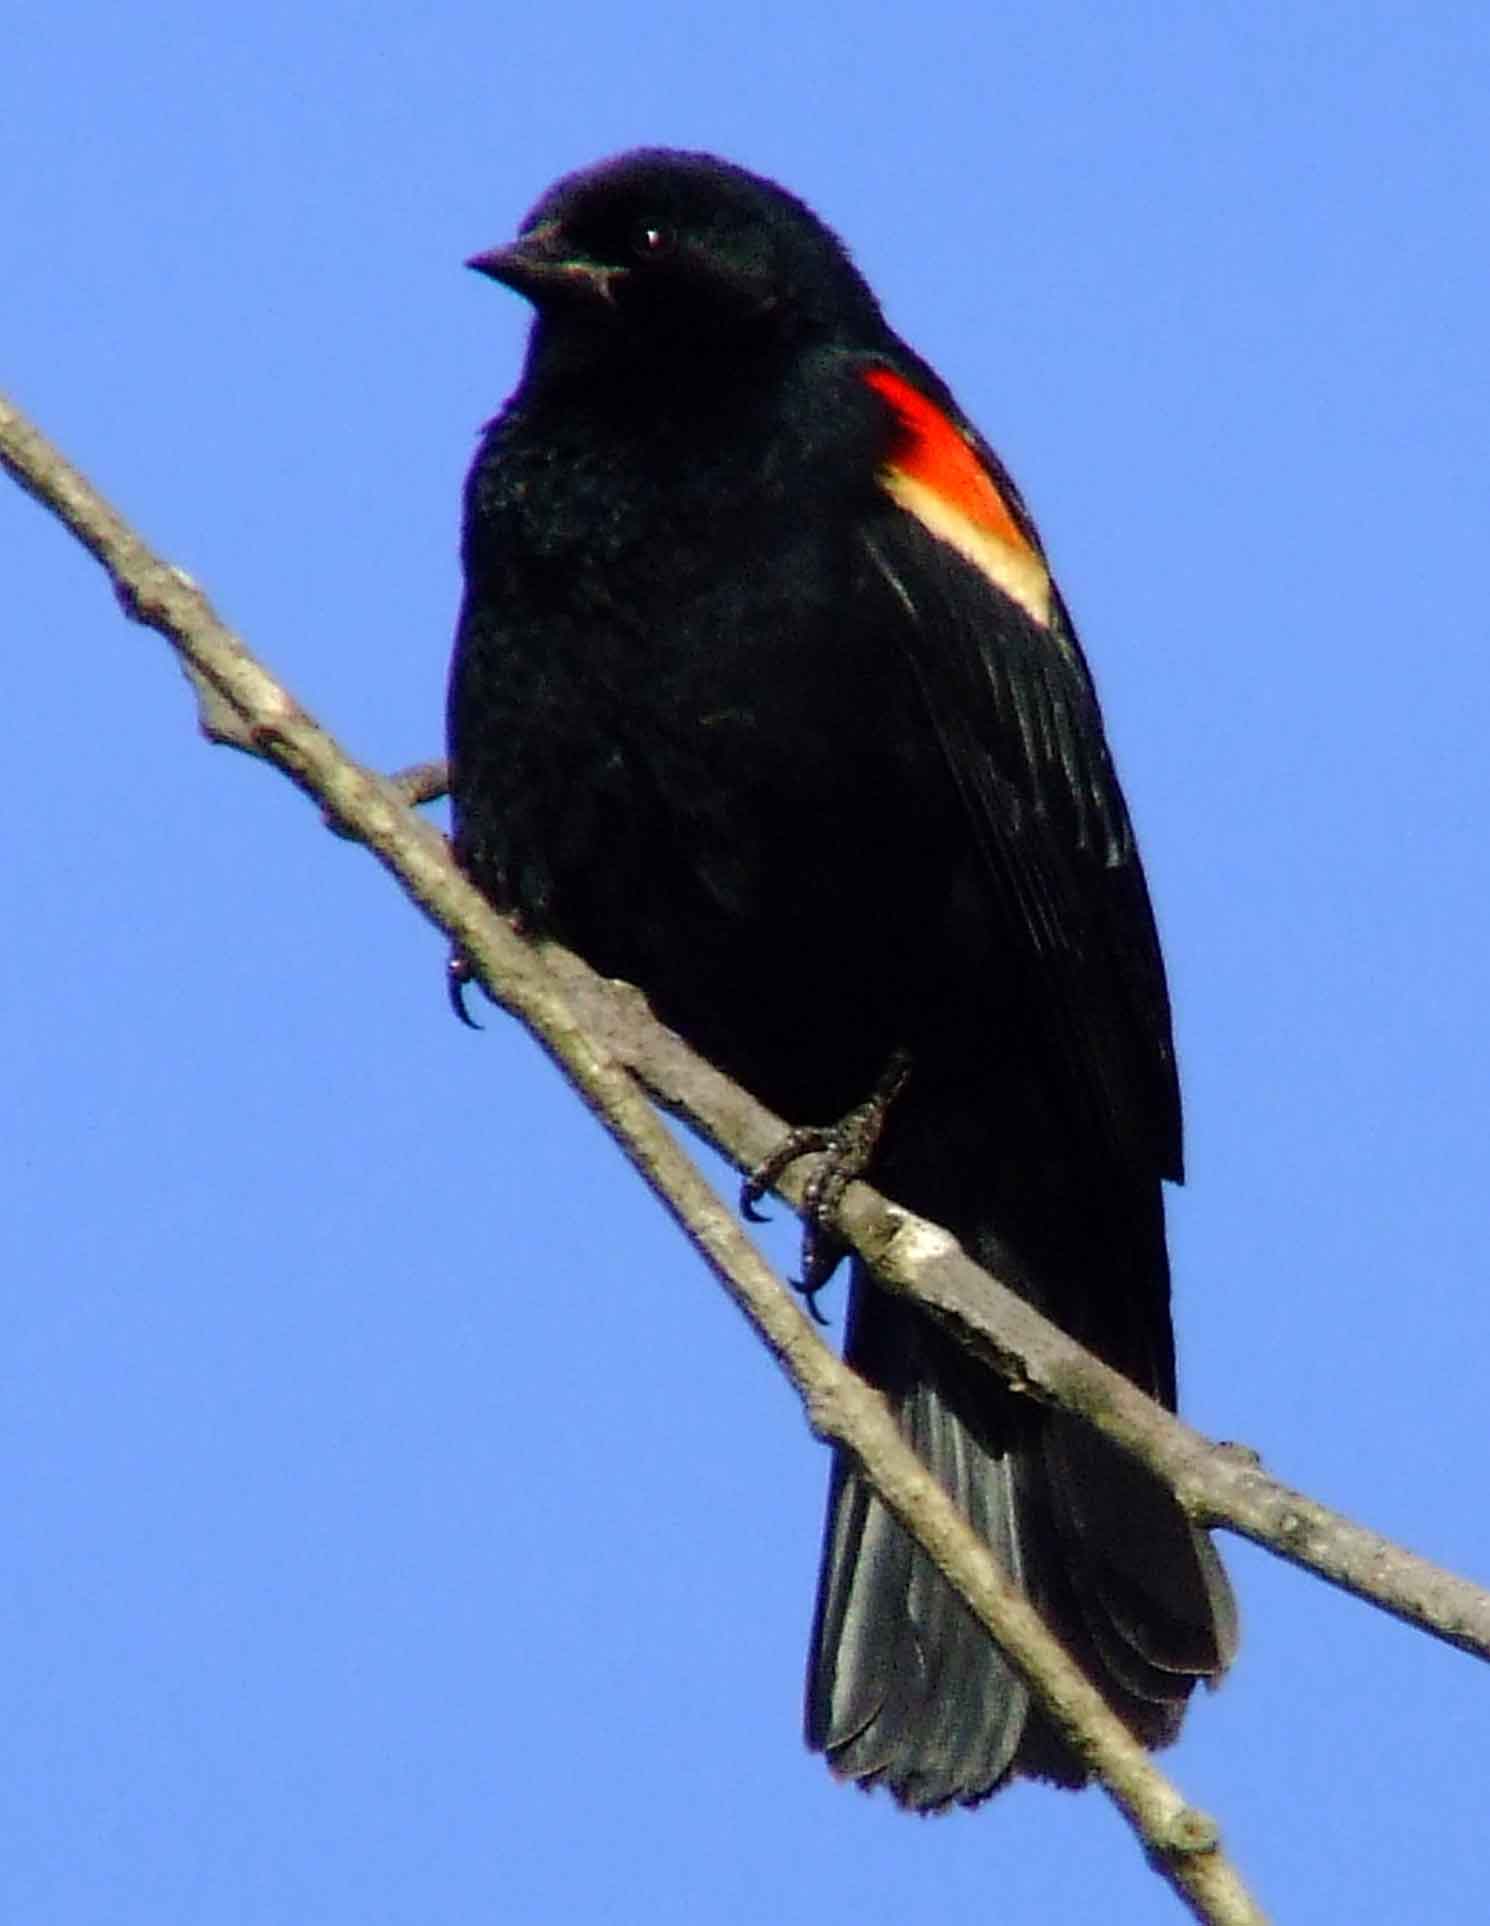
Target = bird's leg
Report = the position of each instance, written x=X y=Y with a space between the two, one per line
x=846 y=1148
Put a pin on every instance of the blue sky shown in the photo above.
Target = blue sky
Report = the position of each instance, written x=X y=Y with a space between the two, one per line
x=399 y=1526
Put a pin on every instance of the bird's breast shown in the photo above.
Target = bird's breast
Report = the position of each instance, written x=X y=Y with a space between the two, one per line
x=684 y=743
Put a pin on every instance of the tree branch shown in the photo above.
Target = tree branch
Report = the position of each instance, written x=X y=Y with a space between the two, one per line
x=605 y=1042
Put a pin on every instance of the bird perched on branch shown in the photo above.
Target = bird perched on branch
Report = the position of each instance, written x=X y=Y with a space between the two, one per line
x=764 y=700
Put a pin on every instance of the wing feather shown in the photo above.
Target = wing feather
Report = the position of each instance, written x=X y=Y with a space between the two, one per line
x=1013 y=706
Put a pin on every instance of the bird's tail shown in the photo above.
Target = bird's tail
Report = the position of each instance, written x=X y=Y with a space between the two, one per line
x=904 y=1687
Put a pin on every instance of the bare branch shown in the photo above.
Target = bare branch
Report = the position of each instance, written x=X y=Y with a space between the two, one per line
x=422 y=782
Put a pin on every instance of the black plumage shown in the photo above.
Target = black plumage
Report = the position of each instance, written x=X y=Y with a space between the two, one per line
x=762 y=700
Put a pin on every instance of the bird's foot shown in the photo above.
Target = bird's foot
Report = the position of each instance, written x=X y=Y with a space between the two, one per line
x=846 y=1148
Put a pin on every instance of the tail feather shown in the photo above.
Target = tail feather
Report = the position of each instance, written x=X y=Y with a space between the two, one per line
x=895 y=1650
x=904 y=1687
x=1152 y=1591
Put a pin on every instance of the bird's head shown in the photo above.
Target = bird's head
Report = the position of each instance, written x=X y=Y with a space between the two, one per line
x=657 y=251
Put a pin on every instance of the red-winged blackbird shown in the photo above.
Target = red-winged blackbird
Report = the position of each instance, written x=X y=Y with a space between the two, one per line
x=763 y=699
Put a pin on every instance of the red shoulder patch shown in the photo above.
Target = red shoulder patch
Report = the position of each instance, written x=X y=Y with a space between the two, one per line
x=935 y=452
x=935 y=473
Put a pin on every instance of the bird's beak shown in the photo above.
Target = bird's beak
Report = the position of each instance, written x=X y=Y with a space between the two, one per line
x=540 y=265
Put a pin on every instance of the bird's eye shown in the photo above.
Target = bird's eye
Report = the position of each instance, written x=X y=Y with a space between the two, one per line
x=651 y=241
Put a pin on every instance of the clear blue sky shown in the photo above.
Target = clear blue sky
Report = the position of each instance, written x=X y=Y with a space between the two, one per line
x=399 y=1528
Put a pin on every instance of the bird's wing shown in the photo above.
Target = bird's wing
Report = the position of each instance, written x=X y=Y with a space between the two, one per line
x=1012 y=702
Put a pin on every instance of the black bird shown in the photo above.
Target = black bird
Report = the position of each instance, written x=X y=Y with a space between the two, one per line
x=764 y=700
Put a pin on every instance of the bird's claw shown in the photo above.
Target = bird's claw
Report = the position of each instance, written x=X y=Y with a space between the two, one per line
x=458 y=977
x=845 y=1148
